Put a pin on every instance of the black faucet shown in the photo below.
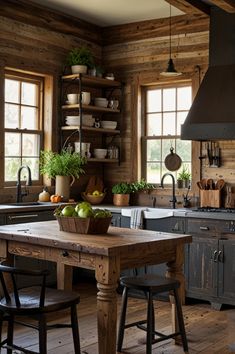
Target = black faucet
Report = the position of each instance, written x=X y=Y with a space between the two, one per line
x=21 y=194
x=173 y=201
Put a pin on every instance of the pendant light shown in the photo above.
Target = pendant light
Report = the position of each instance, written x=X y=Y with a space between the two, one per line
x=170 y=70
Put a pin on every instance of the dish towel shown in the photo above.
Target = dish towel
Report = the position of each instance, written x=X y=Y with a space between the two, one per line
x=137 y=217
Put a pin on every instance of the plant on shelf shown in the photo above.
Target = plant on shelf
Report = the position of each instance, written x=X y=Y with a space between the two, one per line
x=80 y=59
x=62 y=167
x=183 y=177
x=142 y=185
x=121 y=193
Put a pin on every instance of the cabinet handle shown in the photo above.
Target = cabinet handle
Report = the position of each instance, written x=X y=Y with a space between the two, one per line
x=220 y=257
x=215 y=256
x=22 y=216
x=204 y=228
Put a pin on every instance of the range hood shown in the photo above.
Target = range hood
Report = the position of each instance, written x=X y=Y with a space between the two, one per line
x=212 y=114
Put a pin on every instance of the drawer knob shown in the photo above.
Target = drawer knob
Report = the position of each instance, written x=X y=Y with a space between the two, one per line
x=65 y=253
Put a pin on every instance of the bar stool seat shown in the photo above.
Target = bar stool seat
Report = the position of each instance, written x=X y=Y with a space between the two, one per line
x=151 y=285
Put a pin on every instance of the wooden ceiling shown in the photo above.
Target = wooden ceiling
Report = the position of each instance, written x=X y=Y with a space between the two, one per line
x=191 y=7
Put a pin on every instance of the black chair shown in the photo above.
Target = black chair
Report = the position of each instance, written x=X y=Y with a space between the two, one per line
x=34 y=303
x=150 y=285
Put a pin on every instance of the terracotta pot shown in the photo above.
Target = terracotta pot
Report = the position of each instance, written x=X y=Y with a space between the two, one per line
x=62 y=186
x=121 y=199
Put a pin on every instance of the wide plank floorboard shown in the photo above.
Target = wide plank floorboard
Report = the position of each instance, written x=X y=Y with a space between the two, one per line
x=208 y=331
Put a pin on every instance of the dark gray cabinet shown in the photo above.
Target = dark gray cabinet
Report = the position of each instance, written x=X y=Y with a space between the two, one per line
x=210 y=262
x=116 y=219
x=29 y=216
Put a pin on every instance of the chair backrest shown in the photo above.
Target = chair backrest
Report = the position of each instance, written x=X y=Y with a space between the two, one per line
x=8 y=286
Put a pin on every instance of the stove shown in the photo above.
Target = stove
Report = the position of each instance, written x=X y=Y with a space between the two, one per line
x=215 y=210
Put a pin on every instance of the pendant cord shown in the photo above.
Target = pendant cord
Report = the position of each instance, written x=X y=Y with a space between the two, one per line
x=170 y=31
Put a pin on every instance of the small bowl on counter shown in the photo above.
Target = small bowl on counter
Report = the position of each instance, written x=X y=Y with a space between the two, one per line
x=93 y=199
x=100 y=153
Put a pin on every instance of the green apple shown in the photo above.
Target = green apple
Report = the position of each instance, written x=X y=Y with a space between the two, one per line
x=85 y=212
x=68 y=210
x=96 y=193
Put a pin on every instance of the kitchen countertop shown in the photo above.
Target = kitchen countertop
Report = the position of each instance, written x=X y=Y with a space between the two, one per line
x=125 y=211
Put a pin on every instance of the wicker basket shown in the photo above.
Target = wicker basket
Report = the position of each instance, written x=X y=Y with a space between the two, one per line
x=93 y=199
x=84 y=225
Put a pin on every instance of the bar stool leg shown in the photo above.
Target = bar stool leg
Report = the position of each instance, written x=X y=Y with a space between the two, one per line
x=149 y=324
x=181 y=320
x=122 y=319
x=75 y=330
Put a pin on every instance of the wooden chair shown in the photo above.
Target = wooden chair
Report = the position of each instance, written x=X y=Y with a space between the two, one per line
x=150 y=285
x=34 y=303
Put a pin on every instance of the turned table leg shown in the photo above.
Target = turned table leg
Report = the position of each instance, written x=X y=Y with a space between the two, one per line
x=107 y=275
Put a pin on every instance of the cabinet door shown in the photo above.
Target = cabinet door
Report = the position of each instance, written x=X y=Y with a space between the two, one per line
x=116 y=219
x=226 y=263
x=201 y=270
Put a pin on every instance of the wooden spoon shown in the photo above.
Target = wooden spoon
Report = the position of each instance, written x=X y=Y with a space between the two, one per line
x=199 y=185
x=210 y=183
x=204 y=183
x=220 y=184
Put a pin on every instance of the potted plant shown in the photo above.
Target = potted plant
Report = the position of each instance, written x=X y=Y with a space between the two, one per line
x=121 y=193
x=63 y=167
x=80 y=59
x=140 y=189
x=183 y=178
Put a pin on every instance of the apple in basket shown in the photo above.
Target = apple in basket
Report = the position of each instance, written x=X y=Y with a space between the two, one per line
x=82 y=210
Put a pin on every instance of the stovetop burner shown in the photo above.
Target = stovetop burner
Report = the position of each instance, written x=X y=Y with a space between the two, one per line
x=215 y=210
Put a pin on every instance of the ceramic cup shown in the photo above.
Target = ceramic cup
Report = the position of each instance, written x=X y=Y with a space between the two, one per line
x=72 y=98
x=85 y=148
x=115 y=104
x=86 y=97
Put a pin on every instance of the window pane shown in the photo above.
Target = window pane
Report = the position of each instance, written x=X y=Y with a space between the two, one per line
x=183 y=149
x=30 y=145
x=29 y=94
x=11 y=167
x=169 y=124
x=154 y=103
x=33 y=163
x=184 y=98
x=169 y=99
x=12 y=91
x=28 y=118
x=168 y=179
x=12 y=144
x=153 y=172
x=180 y=120
x=11 y=116
x=154 y=125
x=153 y=150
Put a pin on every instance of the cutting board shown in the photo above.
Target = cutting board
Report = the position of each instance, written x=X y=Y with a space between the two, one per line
x=95 y=184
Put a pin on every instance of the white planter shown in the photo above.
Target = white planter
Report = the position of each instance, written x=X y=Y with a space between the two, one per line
x=79 y=69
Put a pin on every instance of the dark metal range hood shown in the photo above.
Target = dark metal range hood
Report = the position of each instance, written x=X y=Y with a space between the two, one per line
x=212 y=114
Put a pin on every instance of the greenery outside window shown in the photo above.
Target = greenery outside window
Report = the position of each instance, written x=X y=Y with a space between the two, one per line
x=165 y=109
x=23 y=124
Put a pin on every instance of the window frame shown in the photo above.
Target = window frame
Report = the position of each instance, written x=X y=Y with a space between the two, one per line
x=144 y=137
x=40 y=82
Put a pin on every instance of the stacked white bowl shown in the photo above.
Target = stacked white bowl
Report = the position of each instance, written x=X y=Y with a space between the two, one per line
x=101 y=102
x=87 y=120
x=100 y=153
x=108 y=124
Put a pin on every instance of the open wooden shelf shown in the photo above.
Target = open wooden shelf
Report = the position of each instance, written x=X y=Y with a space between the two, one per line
x=91 y=129
x=90 y=108
x=92 y=80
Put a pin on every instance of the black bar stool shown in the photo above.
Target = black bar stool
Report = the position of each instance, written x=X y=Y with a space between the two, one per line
x=150 y=285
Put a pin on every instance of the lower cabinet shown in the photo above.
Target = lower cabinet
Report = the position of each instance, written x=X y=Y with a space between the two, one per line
x=210 y=262
x=116 y=219
x=22 y=262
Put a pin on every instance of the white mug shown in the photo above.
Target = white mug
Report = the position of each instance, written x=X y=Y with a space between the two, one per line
x=86 y=97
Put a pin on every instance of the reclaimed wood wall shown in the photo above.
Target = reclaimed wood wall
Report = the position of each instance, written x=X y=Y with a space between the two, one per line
x=38 y=40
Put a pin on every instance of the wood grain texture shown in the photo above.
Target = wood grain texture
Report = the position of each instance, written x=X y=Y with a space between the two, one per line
x=190 y=6
x=226 y=5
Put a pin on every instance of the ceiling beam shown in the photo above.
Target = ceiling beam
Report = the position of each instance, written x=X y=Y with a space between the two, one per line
x=226 y=5
x=191 y=7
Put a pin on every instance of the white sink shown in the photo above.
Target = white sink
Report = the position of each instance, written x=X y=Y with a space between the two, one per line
x=158 y=213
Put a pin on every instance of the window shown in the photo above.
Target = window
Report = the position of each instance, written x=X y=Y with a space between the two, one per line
x=23 y=133
x=165 y=110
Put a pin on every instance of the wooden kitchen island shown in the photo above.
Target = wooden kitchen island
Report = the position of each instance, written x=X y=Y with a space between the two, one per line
x=108 y=254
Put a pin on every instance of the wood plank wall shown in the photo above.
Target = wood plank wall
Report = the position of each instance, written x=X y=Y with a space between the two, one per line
x=136 y=53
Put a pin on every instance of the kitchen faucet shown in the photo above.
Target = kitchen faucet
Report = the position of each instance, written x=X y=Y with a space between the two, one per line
x=173 y=201
x=21 y=194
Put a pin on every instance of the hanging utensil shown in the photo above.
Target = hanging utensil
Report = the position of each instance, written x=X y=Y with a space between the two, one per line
x=199 y=185
x=172 y=161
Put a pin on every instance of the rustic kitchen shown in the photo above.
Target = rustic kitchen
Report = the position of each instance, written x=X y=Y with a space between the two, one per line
x=118 y=176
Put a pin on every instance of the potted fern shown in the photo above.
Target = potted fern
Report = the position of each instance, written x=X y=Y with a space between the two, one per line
x=80 y=59
x=64 y=167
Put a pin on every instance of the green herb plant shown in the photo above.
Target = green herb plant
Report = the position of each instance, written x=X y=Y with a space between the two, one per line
x=80 y=56
x=184 y=174
x=122 y=188
x=142 y=185
x=64 y=163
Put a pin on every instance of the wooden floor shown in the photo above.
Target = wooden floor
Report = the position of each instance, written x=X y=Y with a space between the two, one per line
x=208 y=331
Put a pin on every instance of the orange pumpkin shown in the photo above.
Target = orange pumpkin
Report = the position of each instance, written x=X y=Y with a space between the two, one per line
x=55 y=198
